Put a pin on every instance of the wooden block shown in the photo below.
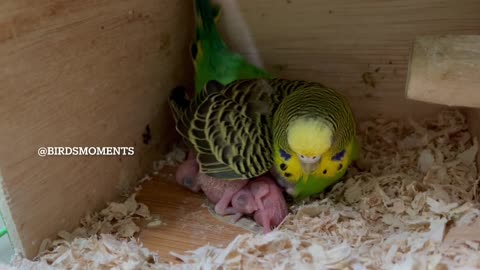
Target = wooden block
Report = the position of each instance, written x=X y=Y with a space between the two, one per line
x=83 y=73
x=445 y=70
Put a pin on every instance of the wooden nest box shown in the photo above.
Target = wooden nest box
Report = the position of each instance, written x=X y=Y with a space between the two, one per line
x=98 y=73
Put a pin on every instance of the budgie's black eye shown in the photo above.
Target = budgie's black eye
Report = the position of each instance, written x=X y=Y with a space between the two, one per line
x=302 y=156
x=314 y=157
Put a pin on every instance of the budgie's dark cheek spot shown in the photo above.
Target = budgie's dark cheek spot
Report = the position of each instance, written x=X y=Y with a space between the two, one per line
x=340 y=166
x=324 y=171
x=283 y=166
x=287 y=174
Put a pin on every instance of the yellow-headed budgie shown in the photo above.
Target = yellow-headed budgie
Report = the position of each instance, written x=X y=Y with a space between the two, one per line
x=314 y=139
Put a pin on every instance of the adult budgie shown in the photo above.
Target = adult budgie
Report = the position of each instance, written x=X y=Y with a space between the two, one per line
x=314 y=138
x=304 y=130
x=230 y=123
x=212 y=58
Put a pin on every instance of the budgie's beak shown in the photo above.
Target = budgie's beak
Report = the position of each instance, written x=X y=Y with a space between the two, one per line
x=309 y=164
x=309 y=167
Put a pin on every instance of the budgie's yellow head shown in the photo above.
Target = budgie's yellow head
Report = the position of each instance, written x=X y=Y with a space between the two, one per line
x=309 y=138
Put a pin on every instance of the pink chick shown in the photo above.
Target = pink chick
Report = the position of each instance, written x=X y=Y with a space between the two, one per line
x=274 y=209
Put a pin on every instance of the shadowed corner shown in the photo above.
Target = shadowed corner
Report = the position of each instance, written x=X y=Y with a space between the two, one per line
x=179 y=95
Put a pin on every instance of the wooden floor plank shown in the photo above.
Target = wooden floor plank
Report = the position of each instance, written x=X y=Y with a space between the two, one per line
x=188 y=223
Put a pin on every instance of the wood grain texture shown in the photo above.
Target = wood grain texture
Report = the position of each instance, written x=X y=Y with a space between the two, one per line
x=360 y=47
x=83 y=73
x=188 y=223
x=445 y=70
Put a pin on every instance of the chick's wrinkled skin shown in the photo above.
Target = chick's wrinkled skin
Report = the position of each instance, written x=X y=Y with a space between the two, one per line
x=275 y=207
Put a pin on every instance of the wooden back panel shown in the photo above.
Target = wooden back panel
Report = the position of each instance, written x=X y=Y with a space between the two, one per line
x=360 y=47
x=83 y=73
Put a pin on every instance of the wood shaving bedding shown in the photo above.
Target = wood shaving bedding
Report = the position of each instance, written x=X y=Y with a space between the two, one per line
x=413 y=204
x=104 y=240
x=102 y=252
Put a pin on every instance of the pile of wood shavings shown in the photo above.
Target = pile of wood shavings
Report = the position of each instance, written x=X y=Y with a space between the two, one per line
x=116 y=219
x=96 y=252
x=418 y=185
x=103 y=241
